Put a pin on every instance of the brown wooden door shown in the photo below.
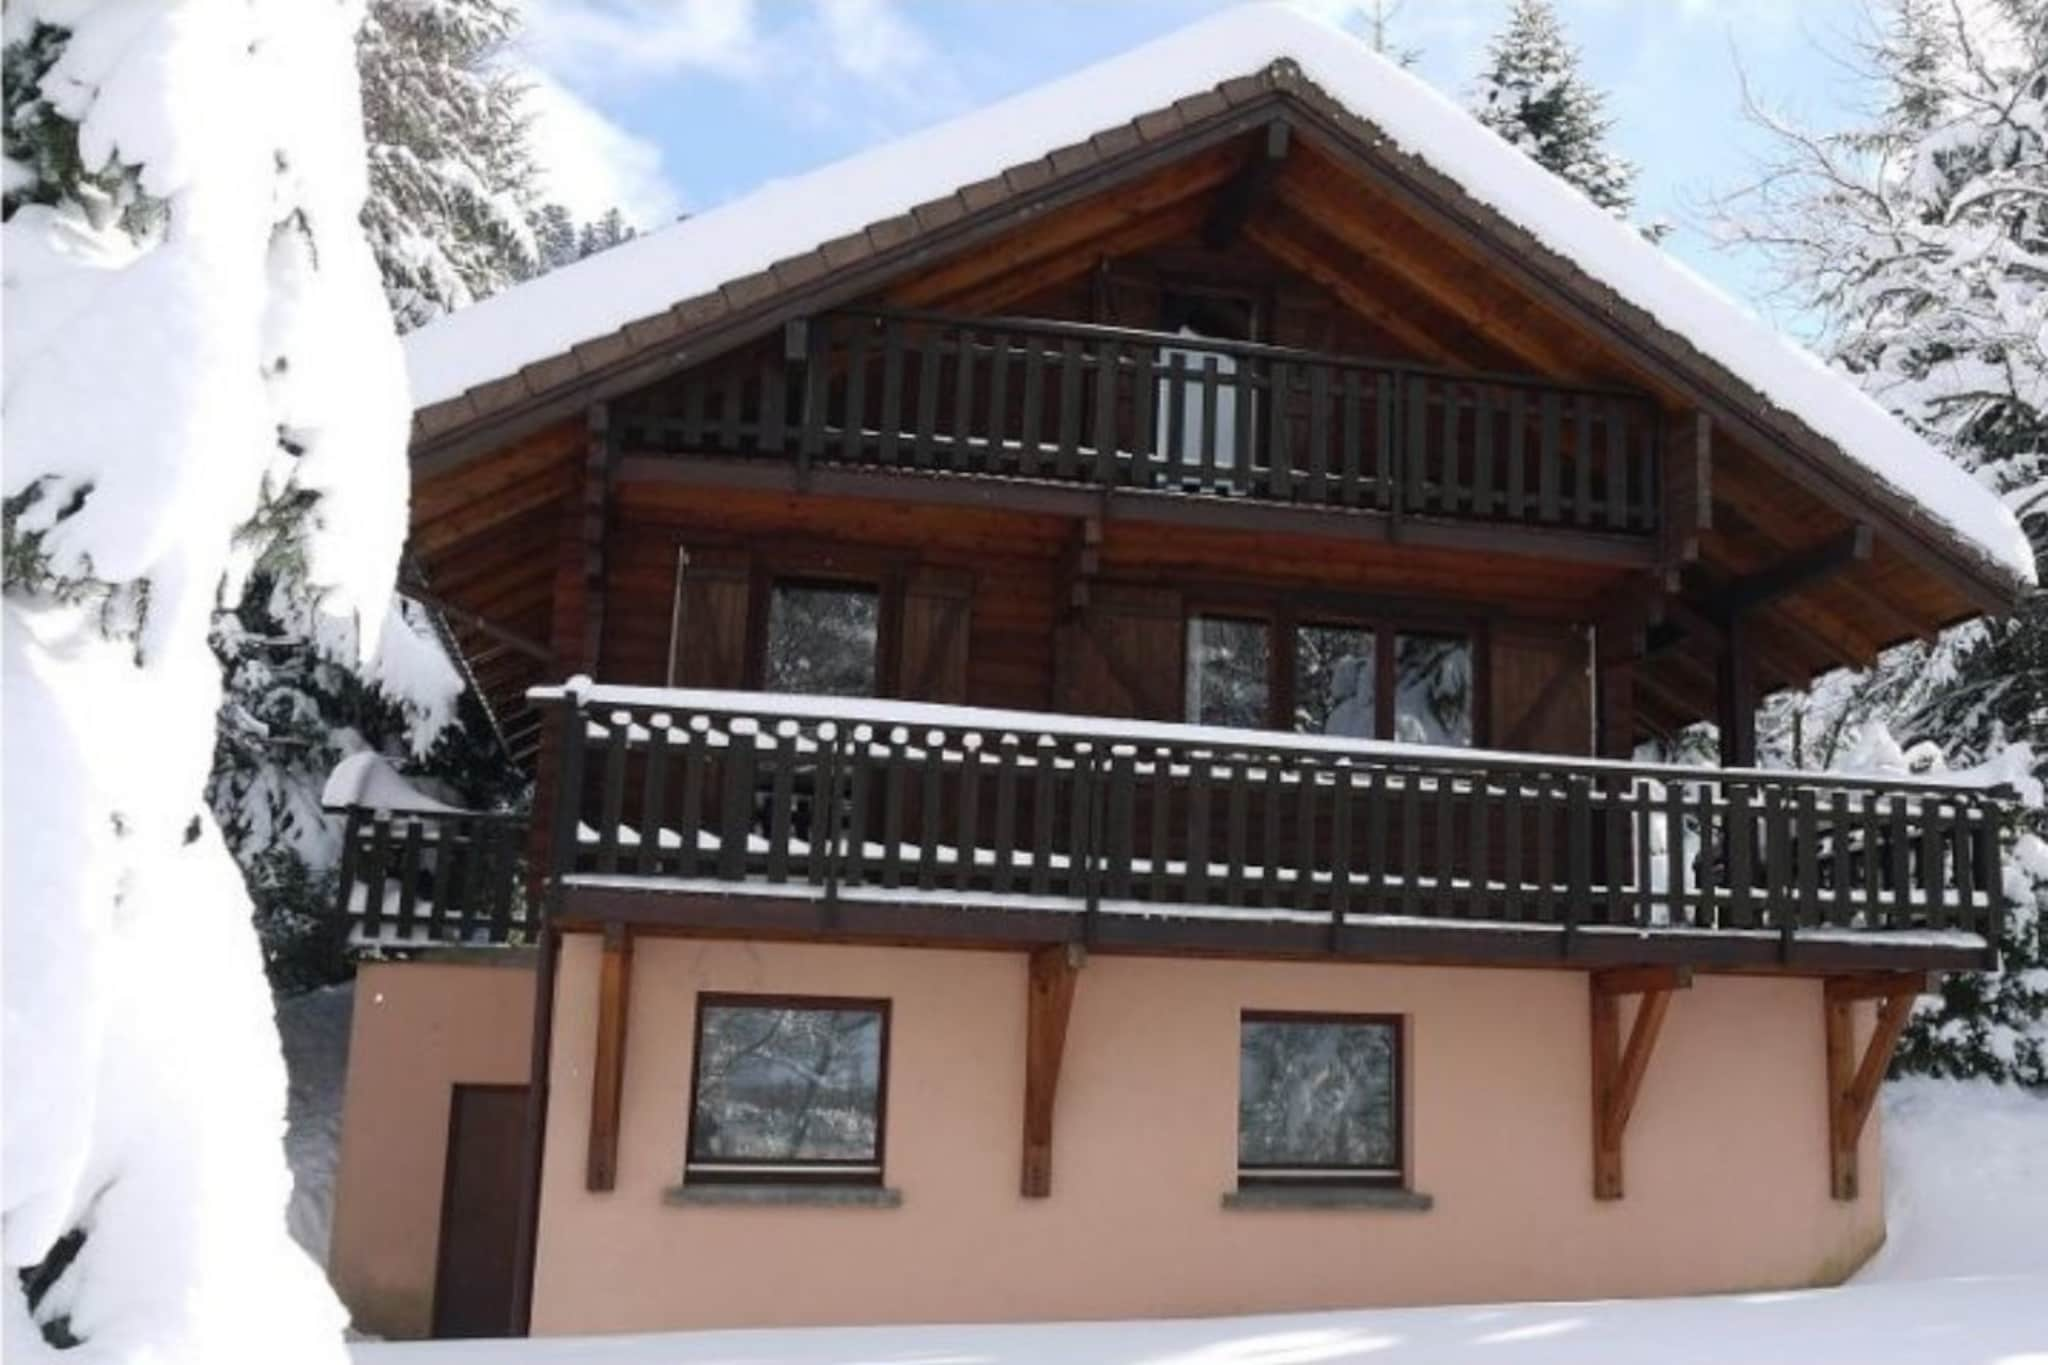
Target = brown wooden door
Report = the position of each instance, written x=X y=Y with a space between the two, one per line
x=480 y=1211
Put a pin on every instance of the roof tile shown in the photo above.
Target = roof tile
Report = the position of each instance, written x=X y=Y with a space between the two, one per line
x=1244 y=89
x=699 y=309
x=436 y=418
x=599 y=352
x=796 y=270
x=499 y=393
x=891 y=232
x=1116 y=141
x=1077 y=156
x=851 y=249
x=748 y=290
x=937 y=213
x=553 y=372
x=1029 y=176
x=984 y=194
x=652 y=331
x=1195 y=108
x=1158 y=124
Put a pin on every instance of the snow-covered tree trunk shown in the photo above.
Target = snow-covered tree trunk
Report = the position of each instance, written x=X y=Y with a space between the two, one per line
x=198 y=362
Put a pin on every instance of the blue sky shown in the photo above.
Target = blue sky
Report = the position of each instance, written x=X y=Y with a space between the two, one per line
x=670 y=105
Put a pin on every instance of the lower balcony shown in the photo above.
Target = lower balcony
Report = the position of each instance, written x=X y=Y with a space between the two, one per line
x=763 y=815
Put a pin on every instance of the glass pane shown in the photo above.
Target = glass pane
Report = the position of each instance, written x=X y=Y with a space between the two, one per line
x=1433 y=689
x=1227 y=671
x=787 y=1084
x=1333 y=681
x=821 y=640
x=1316 y=1094
x=1195 y=362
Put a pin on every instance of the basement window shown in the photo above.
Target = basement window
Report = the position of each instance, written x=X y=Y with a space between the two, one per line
x=788 y=1089
x=1319 y=1100
x=822 y=639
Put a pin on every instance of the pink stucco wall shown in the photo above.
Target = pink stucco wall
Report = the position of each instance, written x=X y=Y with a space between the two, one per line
x=1726 y=1161
x=420 y=1028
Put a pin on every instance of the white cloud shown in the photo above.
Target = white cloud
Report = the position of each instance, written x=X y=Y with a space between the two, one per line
x=614 y=39
x=589 y=163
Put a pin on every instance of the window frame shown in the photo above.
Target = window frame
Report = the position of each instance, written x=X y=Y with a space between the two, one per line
x=1384 y=622
x=1300 y=1175
x=861 y=1174
x=885 y=588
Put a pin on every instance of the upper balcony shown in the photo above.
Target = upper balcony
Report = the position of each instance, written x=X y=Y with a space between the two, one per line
x=1114 y=412
x=760 y=815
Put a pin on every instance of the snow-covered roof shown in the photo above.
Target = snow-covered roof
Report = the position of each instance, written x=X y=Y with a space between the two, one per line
x=491 y=342
x=366 y=778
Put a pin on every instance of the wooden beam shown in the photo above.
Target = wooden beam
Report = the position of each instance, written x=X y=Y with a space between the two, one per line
x=1049 y=999
x=504 y=635
x=1801 y=570
x=1138 y=505
x=1617 y=1069
x=1688 y=485
x=1853 y=1080
x=608 y=1071
x=1237 y=199
x=1339 y=269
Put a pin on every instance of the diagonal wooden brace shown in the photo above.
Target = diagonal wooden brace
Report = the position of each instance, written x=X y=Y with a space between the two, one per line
x=1049 y=1000
x=1853 y=1080
x=1618 y=1070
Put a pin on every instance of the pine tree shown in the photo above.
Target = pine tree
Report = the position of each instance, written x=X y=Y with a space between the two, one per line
x=1531 y=92
x=199 y=369
x=1921 y=237
x=561 y=241
x=452 y=176
x=452 y=216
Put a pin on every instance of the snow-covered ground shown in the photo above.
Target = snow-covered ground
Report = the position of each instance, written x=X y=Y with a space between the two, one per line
x=314 y=1028
x=1963 y=1281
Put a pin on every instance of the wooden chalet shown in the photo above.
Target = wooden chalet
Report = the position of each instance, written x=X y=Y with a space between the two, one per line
x=1147 y=631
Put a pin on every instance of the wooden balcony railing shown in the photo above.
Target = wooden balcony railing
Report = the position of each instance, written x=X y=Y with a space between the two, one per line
x=414 y=877
x=1115 y=408
x=884 y=801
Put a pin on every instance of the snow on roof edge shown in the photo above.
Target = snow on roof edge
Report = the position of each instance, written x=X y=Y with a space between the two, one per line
x=600 y=295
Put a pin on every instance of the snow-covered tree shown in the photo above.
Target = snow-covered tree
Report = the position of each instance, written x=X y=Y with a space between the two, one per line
x=452 y=177
x=200 y=367
x=559 y=241
x=1533 y=94
x=1920 y=238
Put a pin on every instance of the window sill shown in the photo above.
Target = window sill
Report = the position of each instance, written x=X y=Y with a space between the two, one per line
x=1256 y=1197
x=767 y=1194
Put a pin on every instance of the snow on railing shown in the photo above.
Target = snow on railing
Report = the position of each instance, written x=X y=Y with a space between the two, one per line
x=832 y=796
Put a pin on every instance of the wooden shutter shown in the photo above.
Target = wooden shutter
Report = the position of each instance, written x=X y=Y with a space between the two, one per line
x=1122 y=655
x=708 y=647
x=937 y=608
x=1542 y=696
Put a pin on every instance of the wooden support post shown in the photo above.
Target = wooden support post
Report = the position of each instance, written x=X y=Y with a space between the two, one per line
x=1735 y=696
x=1048 y=1002
x=1853 y=1080
x=608 y=1072
x=1688 y=488
x=1618 y=1070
